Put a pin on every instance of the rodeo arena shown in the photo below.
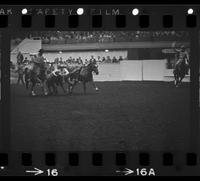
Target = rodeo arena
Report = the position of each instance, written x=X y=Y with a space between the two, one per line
x=115 y=90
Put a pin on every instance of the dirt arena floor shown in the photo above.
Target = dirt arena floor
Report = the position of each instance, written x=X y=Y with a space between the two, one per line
x=121 y=116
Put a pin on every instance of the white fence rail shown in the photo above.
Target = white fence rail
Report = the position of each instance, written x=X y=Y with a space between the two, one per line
x=136 y=70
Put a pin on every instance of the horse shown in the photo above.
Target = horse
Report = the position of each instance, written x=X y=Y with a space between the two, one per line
x=35 y=74
x=180 y=70
x=84 y=75
x=57 y=78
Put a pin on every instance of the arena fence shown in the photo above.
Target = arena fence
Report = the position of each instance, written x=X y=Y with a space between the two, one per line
x=136 y=70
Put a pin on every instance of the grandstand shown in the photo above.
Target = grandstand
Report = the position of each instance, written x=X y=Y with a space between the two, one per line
x=139 y=54
x=26 y=47
x=70 y=37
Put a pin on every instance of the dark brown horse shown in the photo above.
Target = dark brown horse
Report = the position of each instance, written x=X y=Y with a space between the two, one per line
x=84 y=75
x=35 y=74
x=57 y=78
x=180 y=71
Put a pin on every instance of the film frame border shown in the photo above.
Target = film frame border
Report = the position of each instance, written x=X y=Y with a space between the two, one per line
x=180 y=22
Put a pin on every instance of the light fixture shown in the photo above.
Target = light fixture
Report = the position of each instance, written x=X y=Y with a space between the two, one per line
x=135 y=11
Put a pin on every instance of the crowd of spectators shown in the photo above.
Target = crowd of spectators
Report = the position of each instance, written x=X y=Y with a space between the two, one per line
x=71 y=61
x=69 y=37
x=80 y=61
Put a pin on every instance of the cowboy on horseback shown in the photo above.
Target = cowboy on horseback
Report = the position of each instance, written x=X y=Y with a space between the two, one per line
x=75 y=74
x=39 y=66
x=182 y=56
x=38 y=72
x=78 y=71
x=84 y=75
x=182 y=66
x=20 y=58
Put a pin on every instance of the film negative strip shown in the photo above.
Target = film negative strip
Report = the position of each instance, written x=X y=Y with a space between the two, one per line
x=99 y=90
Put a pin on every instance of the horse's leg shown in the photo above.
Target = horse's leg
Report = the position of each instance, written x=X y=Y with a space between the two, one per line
x=84 y=87
x=49 y=87
x=52 y=83
x=44 y=87
x=60 y=81
x=54 y=89
x=32 y=88
x=71 y=88
x=22 y=79
x=177 y=81
x=27 y=84
x=94 y=85
x=175 y=78
x=61 y=85
x=181 y=78
x=71 y=85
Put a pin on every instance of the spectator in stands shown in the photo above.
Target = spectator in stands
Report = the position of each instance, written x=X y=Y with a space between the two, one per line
x=51 y=68
x=61 y=60
x=77 y=60
x=56 y=60
x=114 y=60
x=92 y=59
x=103 y=59
x=98 y=59
x=80 y=61
x=26 y=61
x=20 y=72
x=20 y=58
x=108 y=59
x=45 y=40
x=86 y=62
x=57 y=37
x=69 y=60
x=120 y=58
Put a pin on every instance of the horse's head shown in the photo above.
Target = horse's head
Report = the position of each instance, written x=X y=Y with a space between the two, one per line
x=93 y=68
